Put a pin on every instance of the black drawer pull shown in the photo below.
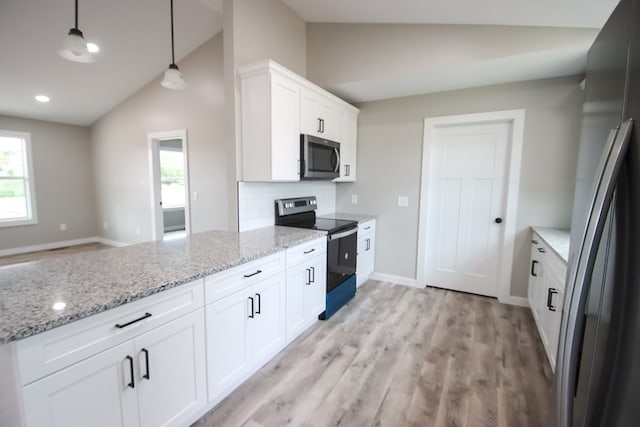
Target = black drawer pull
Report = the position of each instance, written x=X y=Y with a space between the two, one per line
x=146 y=361
x=132 y=383
x=535 y=242
x=313 y=275
x=252 y=309
x=541 y=250
x=258 y=310
x=309 y=251
x=246 y=276
x=124 y=325
x=367 y=228
x=533 y=268
x=308 y=278
x=550 y=294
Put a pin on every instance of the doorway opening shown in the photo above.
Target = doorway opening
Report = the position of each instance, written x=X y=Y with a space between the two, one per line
x=468 y=201
x=170 y=210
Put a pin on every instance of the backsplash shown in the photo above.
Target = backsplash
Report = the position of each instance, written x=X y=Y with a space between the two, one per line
x=255 y=200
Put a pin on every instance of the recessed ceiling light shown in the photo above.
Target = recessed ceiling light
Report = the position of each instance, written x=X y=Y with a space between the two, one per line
x=93 y=48
x=42 y=98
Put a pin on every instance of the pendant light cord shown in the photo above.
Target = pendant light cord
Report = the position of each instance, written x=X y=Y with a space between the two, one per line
x=173 y=59
x=76 y=27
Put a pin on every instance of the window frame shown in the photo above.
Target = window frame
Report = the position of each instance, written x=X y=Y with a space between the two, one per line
x=29 y=179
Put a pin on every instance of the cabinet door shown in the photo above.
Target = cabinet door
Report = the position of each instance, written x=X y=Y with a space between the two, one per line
x=298 y=278
x=348 y=121
x=366 y=252
x=552 y=316
x=318 y=115
x=316 y=291
x=285 y=129
x=228 y=344
x=171 y=374
x=267 y=325
x=94 y=392
x=535 y=269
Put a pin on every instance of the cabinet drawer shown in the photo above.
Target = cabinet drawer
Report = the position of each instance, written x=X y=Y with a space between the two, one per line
x=227 y=282
x=556 y=267
x=305 y=251
x=43 y=354
x=367 y=227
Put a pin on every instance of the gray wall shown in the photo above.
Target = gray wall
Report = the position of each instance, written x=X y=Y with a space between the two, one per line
x=390 y=135
x=121 y=149
x=173 y=219
x=63 y=184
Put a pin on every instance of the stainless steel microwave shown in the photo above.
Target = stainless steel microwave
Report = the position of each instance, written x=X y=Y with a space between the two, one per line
x=319 y=158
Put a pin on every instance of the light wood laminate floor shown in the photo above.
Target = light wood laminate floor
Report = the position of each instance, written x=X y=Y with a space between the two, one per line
x=400 y=356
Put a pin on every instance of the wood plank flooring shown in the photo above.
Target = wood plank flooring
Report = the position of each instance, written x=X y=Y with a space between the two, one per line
x=400 y=356
x=34 y=256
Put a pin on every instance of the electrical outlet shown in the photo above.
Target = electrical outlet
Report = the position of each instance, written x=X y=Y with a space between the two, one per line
x=63 y=227
x=354 y=199
x=138 y=231
x=105 y=225
x=195 y=195
x=403 y=201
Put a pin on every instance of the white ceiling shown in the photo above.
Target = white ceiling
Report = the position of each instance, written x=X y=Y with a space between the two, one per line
x=135 y=42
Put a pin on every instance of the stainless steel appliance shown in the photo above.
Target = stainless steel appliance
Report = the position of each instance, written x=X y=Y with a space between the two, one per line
x=598 y=370
x=342 y=243
x=319 y=158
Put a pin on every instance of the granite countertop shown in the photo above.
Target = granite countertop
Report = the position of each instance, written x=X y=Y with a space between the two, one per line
x=360 y=218
x=92 y=282
x=557 y=238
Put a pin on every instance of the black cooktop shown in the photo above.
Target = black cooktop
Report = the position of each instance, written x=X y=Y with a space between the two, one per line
x=324 y=224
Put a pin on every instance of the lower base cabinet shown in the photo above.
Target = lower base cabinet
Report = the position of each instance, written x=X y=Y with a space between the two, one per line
x=244 y=330
x=366 y=250
x=157 y=379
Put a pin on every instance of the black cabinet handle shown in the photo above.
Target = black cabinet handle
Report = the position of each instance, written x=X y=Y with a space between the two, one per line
x=132 y=383
x=146 y=362
x=550 y=294
x=542 y=250
x=258 y=310
x=498 y=220
x=252 y=312
x=533 y=268
x=319 y=125
x=313 y=275
x=322 y=123
x=246 y=276
x=124 y=325
x=368 y=241
x=535 y=242
x=308 y=278
x=367 y=228
x=309 y=251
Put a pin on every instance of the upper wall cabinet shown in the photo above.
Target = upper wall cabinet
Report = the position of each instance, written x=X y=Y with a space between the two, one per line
x=278 y=106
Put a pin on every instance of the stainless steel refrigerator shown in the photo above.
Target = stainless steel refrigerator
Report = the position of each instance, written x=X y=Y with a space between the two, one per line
x=597 y=379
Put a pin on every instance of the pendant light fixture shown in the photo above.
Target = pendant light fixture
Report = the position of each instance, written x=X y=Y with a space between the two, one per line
x=74 y=47
x=173 y=76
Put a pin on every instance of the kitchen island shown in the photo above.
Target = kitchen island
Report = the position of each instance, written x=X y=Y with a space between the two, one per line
x=135 y=333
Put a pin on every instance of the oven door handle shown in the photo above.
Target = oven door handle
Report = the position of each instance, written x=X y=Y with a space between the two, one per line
x=343 y=234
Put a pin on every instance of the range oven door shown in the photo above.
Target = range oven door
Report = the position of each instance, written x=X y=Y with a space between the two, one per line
x=341 y=256
x=319 y=158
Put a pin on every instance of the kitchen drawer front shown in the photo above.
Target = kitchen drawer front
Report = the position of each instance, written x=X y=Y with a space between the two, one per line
x=306 y=251
x=556 y=267
x=48 y=352
x=227 y=282
x=367 y=227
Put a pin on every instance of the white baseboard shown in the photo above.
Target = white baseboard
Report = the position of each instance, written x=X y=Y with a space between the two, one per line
x=57 y=245
x=407 y=281
x=511 y=300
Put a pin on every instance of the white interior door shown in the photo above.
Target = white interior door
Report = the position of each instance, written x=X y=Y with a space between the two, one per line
x=466 y=206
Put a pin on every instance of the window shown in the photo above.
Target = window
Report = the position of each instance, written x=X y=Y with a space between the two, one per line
x=17 y=197
x=172 y=178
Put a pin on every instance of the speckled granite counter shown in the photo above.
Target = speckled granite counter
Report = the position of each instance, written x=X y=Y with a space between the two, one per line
x=557 y=238
x=350 y=217
x=93 y=282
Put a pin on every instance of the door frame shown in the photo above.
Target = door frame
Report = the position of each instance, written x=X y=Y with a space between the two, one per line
x=157 y=222
x=516 y=119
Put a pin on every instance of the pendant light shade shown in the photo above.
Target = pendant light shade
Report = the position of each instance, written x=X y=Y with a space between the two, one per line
x=173 y=76
x=74 y=47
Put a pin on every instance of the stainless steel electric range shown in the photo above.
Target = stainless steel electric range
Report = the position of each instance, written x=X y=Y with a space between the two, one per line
x=342 y=242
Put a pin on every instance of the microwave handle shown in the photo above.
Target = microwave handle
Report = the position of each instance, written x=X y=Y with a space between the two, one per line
x=337 y=153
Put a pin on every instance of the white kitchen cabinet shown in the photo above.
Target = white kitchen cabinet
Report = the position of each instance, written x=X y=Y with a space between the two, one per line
x=546 y=294
x=306 y=286
x=244 y=330
x=156 y=379
x=319 y=115
x=270 y=126
x=348 y=144
x=277 y=107
x=366 y=250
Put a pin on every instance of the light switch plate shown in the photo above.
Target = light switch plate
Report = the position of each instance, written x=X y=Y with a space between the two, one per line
x=354 y=199
x=403 y=201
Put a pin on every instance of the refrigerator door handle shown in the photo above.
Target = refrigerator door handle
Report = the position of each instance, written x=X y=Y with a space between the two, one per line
x=580 y=273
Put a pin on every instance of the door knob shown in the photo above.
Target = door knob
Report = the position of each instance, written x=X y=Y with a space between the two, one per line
x=498 y=220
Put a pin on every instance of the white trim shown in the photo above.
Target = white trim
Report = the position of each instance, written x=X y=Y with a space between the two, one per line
x=519 y=301
x=516 y=118
x=57 y=245
x=154 y=138
x=399 y=280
